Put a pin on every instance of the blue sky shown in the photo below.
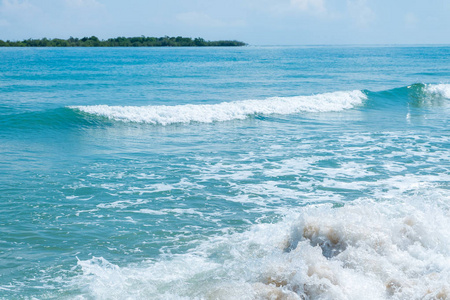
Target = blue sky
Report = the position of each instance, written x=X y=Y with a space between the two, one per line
x=257 y=22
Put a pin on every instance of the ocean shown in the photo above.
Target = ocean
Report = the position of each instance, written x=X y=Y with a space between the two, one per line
x=314 y=172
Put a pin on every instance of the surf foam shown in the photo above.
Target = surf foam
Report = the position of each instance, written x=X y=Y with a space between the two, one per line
x=363 y=250
x=225 y=111
x=442 y=90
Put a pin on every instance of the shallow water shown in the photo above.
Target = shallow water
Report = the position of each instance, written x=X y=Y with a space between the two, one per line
x=224 y=173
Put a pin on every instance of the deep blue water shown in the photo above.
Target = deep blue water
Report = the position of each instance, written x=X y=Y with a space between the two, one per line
x=225 y=173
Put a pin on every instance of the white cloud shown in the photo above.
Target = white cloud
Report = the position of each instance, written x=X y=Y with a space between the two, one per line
x=309 y=5
x=411 y=20
x=15 y=4
x=361 y=12
x=204 y=20
x=19 y=16
x=83 y=3
x=16 y=7
x=17 y=11
x=4 y=23
x=51 y=18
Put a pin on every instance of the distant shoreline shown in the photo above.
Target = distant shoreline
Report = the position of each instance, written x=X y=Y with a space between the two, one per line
x=141 y=41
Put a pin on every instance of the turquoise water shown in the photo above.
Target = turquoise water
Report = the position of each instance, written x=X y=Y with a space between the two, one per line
x=225 y=173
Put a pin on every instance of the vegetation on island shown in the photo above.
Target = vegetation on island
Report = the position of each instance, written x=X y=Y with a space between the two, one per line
x=141 y=41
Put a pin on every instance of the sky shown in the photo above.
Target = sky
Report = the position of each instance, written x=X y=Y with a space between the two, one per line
x=256 y=22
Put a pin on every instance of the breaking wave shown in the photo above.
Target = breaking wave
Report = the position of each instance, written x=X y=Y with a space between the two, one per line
x=442 y=90
x=388 y=250
x=237 y=110
x=416 y=95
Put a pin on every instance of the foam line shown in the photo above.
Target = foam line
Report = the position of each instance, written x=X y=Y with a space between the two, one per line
x=236 y=110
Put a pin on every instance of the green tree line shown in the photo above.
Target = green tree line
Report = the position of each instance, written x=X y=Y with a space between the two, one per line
x=141 y=41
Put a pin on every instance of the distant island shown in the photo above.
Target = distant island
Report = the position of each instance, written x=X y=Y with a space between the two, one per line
x=141 y=41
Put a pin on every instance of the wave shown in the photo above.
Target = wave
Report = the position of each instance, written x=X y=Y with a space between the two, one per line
x=419 y=95
x=226 y=111
x=53 y=119
x=440 y=90
x=416 y=95
x=388 y=250
x=429 y=95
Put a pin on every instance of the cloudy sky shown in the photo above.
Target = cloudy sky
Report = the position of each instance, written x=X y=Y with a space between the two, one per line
x=257 y=22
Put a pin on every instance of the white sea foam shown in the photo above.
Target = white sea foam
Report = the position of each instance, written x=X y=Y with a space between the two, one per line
x=442 y=89
x=364 y=250
x=226 y=111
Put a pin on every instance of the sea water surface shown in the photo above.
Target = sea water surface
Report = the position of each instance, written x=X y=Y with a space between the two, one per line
x=225 y=173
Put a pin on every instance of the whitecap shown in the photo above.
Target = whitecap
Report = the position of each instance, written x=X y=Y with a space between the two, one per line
x=442 y=89
x=225 y=111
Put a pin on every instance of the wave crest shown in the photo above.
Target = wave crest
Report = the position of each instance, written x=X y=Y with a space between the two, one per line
x=226 y=111
x=442 y=90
